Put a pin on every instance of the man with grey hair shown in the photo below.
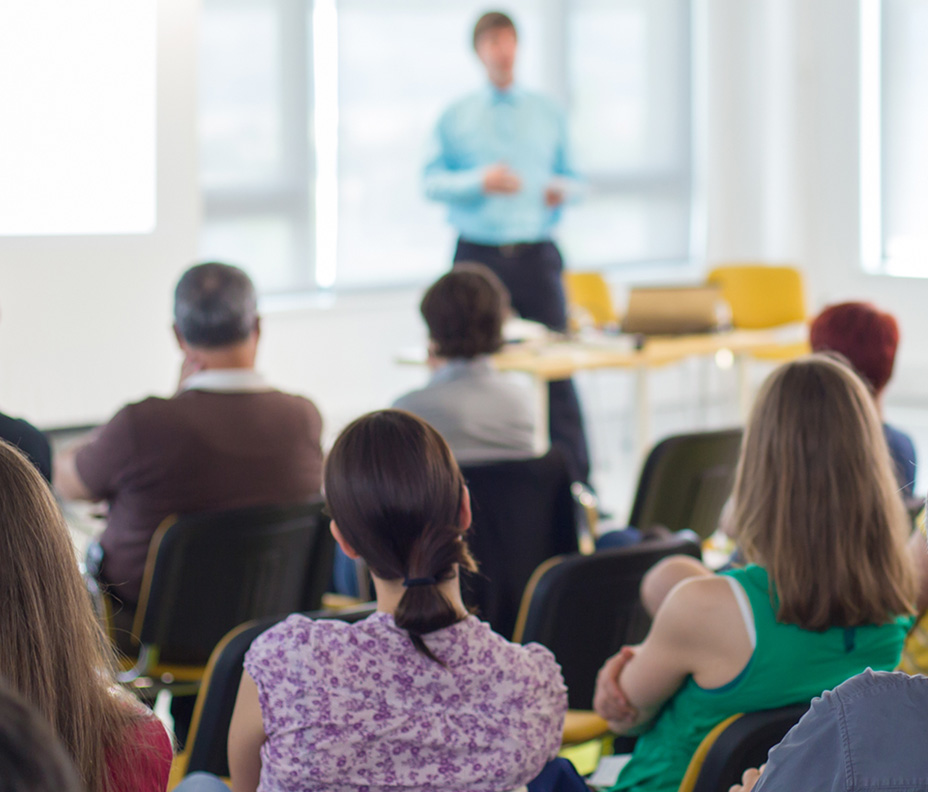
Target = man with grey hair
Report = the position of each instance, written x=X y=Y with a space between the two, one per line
x=225 y=440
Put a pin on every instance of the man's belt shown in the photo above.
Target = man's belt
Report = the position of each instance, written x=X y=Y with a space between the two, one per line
x=509 y=250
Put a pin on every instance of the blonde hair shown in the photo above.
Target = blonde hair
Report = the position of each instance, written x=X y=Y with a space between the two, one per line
x=816 y=501
x=52 y=649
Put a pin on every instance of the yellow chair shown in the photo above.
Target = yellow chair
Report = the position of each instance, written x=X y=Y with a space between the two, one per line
x=764 y=296
x=588 y=295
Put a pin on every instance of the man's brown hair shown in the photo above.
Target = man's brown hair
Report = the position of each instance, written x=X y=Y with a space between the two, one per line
x=816 y=501
x=492 y=20
x=465 y=311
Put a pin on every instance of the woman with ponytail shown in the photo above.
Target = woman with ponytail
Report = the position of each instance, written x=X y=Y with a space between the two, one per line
x=420 y=695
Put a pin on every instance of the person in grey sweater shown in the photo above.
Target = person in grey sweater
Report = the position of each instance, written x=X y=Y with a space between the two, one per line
x=482 y=413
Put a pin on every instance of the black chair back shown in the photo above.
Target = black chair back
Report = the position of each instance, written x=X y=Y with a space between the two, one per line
x=745 y=743
x=209 y=731
x=211 y=571
x=686 y=481
x=584 y=608
x=523 y=514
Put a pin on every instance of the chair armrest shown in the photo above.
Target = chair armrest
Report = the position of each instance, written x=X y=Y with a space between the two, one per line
x=588 y=518
x=583 y=725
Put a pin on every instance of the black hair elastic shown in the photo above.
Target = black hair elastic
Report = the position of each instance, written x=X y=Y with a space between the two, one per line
x=423 y=581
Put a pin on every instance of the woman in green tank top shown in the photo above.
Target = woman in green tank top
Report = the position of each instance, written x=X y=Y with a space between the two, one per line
x=828 y=592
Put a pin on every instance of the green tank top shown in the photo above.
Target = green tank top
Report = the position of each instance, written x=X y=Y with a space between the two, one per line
x=789 y=666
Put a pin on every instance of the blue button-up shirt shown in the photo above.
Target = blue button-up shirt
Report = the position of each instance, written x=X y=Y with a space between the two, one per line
x=525 y=131
x=868 y=733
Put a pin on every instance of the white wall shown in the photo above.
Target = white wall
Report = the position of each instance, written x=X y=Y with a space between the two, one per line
x=86 y=322
x=783 y=169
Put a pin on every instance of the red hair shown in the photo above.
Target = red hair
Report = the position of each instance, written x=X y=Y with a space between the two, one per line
x=865 y=336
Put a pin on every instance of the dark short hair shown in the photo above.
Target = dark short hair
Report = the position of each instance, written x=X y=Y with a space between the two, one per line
x=32 y=758
x=465 y=310
x=215 y=305
x=492 y=20
x=864 y=335
x=395 y=492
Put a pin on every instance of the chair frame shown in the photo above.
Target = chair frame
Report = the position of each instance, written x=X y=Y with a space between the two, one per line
x=737 y=743
x=148 y=674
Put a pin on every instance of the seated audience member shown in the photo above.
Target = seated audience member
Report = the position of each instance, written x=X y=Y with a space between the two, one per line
x=419 y=695
x=868 y=338
x=867 y=733
x=483 y=414
x=52 y=651
x=32 y=759
x=33 y=443
x=226 y=440
x=827 y=593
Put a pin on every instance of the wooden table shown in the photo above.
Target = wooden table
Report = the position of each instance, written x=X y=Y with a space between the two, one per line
x=556 y=360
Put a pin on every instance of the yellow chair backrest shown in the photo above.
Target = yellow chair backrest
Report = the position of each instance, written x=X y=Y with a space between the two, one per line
x=589 y=293
x=915 y=649
x=761 y=295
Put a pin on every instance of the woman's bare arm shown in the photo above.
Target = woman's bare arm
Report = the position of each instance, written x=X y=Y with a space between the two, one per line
x=698 y=631
x=246 y=736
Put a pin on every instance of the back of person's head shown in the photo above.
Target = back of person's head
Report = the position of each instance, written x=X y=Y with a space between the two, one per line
x=816 y=500
x=396 y=494
x=867 y=337
x=52 y=650
x=215 y=305
x=492 y=20
x=32 y=759
x=465 y=310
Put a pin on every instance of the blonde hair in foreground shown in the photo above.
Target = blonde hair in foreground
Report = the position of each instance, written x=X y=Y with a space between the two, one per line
x=52 y=650
x=816 y=501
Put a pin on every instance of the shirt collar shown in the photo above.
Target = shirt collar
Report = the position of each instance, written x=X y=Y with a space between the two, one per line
x=457 y=367
x=510 y=96
x=227 y=381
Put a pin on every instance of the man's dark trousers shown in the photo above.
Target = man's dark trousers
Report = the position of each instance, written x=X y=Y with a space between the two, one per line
x=532 y=273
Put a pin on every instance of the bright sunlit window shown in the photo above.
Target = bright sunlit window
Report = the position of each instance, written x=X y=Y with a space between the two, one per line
x=77 y=117
x=894 y=128
x=313 y=145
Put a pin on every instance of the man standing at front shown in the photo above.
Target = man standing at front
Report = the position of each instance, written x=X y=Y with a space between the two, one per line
x=502 y=168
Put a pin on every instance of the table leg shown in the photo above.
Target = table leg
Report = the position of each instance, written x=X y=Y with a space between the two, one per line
x=744 y=387
x=542 y=416
x=642 y=413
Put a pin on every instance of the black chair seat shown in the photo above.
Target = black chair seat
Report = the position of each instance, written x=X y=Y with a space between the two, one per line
x=523 y=514
x=744 y=743
x=585 y=608
x=686 y=481
x=211 y=571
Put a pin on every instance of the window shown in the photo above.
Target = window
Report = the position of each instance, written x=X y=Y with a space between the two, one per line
x=894 y=128
x=256 y=162
x=628 y=66
x=313 y=145
x=78 y=134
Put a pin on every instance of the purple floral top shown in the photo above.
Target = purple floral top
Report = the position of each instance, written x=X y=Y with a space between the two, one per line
x=351 y=707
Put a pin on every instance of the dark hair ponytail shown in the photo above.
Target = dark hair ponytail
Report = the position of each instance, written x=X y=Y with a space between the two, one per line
x=395 y=491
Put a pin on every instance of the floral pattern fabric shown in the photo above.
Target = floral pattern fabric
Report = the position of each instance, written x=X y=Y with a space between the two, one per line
x=354 y=707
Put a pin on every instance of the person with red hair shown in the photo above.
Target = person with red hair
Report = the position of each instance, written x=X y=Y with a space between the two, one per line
x=868 y=338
